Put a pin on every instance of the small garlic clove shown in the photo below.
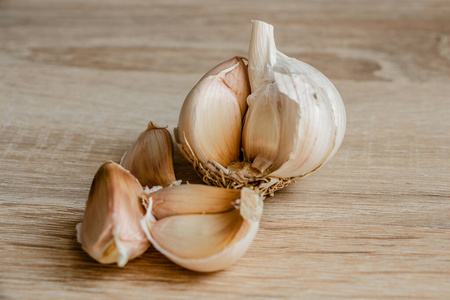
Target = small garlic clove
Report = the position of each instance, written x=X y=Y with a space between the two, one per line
x=111 y=232
x=150 y=159
x=210 y=123
x=191 y=199
x=305 y=105
x=205 y=241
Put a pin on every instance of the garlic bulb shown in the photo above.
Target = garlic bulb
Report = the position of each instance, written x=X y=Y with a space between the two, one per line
x=111 y=231
x=294 y=122
x=202 y=228
x=150 y=159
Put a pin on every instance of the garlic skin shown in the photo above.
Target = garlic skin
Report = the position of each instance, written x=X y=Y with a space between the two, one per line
x=303 y=105
x=111 y=231
x=202 y=228
x=150 y=159
x=210 y=123
x=294 y=123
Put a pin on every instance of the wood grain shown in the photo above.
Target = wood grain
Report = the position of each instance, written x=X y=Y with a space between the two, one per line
x=79 y=80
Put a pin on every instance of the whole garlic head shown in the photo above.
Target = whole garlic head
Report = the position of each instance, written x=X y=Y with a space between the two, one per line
x=202 y=228
x=111 y=231
x=294 y=122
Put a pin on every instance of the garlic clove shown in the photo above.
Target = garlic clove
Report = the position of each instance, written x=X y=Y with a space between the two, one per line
x=236 y=79
x=263 y=131
x=311 y=112
x=206 y=242
x=150 y=159
x=210 y=123
x=111 y=232
x=191 y=199
x=196 y=236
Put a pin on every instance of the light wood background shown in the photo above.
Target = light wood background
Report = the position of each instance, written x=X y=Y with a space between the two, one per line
x=79 y=80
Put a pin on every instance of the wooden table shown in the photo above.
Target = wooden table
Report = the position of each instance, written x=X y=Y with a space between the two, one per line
x=79 y=80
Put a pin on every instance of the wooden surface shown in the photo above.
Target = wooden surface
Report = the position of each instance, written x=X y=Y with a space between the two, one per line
x=79 y=80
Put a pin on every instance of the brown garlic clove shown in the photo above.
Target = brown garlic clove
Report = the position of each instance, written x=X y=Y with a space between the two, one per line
x=111 y=232
x=150 y=159
x=202 y=228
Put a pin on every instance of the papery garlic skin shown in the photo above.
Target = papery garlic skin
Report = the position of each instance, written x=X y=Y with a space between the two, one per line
x=303 y=106
x=111 y=231
x=210 y=237
x=210 y=123
x=150 y=159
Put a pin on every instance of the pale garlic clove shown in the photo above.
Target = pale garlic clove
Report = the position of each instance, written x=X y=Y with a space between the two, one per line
x=210 y=123
x=207 y=230
x=111 y=231
x=307 y=111
x=150 y=159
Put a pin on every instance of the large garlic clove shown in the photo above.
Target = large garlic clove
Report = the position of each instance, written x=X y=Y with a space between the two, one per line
x=150 y=159
x=210 y=123
x=302 y=106
x=111 y=231
x=211 y=234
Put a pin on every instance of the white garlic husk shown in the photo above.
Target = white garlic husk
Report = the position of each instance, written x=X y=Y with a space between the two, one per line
x=202 y=228
x=296 y=118
x=294 y=121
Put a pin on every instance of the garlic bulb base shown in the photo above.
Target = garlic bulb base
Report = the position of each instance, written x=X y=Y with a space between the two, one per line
x=216 y=175
x=238 y=175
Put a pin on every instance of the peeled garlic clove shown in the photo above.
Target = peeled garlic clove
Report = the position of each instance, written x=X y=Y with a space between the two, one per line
x=208 y=235
x=150 y=159
x=210 y=123
x=301 y=106
x=111 y=231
